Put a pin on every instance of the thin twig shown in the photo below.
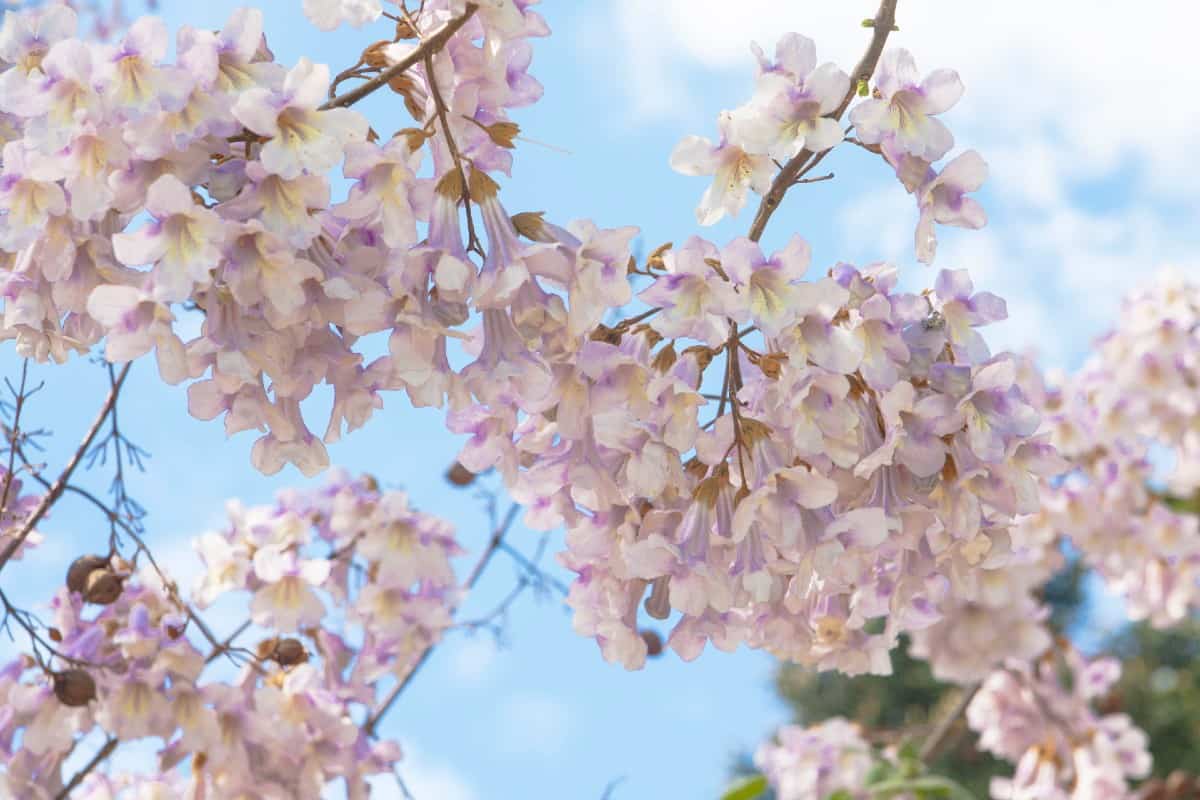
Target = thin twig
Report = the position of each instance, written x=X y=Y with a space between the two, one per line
x=60 y=484
x=432 y=42
x=885 y=20
x=14 y=431
x=101 y=754
x=937 y=736
x=826 y=177
x=439 y=104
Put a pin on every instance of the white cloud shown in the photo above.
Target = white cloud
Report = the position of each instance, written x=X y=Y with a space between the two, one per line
x=1097 y=81
x=533 y=724
x=471 y=658
x=427 y=778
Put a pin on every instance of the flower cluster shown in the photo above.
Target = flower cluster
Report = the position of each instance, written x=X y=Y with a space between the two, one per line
x=139 y=195
x=1062 y=747
x=863 y=451
x=865 y=455
x=283 y=726
x=830 y=759
x=1130 y=423
x=794 y=111
x=997 y=616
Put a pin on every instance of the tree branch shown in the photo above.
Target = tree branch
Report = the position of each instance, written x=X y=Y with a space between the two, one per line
x=937 y=736
x=60 y=484
x=799 y=165
x=101 y=754
x=431 y=43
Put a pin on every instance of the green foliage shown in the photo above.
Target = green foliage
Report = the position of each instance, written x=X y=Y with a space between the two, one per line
x=751 y=787
x=1160 y=689
x=900 y=708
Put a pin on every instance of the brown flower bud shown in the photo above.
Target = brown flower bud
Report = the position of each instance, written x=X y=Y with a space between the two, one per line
x=289 y=652
x=703 y=355
x=664 y=359
x=375 y=55
x=103 y=587
x=654 y=642
x=74 y=688
x=655 y=259
x=55 y=634
x=771 y=364
x=450 y=186
x=79 y=570
x=502 y=133
x=460 y=475
x=532 y=226
x=482 y=186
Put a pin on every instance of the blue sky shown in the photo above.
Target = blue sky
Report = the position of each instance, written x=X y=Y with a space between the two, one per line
x=1091 y=166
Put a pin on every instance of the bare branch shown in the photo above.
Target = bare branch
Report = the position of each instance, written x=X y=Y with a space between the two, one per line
x=60 y=484
x=431 y=43
x=933 y=742
x=101 y=754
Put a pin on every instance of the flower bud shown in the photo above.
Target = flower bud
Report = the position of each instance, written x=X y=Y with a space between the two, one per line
x=460 y=475
x=654 y=642
x=289 y=652
x=102 y=587
x=502 y=133
x=532 y=226
x=74 y=688
x=79 y=570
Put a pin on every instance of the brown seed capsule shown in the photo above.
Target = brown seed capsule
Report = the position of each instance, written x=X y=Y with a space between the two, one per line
x=460 y=475
x=79 y=570
x=74 y=687
x=654 y=642
x=289 y=652
x=103 y=587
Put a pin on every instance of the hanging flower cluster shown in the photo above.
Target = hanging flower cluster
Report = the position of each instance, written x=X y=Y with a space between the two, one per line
x=1062 y=747
x=348 y=584
x=136 y=191
x=997 y=615
x=812 y=467
x=1130 y=423
x=808 y=467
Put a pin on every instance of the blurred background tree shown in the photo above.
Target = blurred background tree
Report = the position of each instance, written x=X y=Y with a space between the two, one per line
x=1159 y=688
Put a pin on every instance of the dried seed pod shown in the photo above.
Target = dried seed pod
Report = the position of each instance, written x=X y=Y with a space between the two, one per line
x=103 y=587
x=654 y=642
x=74 y=687
x=79 y=570
x=289 y=652
x=459 y=475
